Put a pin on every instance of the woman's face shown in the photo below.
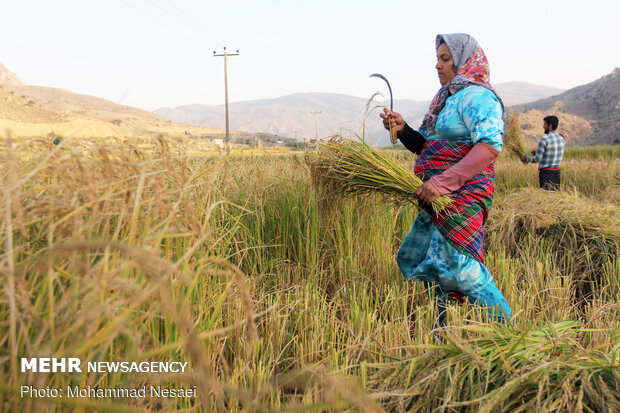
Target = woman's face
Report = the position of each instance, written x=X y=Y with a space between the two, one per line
x=445 y=65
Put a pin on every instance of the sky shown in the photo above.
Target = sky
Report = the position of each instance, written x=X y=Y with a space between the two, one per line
x=159 y=53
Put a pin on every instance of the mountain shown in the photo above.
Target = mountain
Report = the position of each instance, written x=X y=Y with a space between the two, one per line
x=514 y=93
x=36 y=110
x=589 y=114
x=340 y=114
x=291 y=115
x=9 y=80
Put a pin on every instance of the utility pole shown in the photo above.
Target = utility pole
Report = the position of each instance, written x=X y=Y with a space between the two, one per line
x=316 y=127
x=225 y=55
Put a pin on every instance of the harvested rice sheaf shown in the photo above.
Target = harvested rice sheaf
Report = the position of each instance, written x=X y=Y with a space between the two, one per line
x=572 y=225
x=499 y=369
x=513 y=137
x=515 y=147
x=344 y=168
x=564 y=218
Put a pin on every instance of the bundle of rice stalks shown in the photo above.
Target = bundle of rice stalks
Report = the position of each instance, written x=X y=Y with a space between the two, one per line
x=350 y=168
x=574 y=226
x=513 y=137
x=499 y=369
x=561 y=215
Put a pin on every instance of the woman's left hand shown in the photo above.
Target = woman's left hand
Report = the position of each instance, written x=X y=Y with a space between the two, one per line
x=427 y=193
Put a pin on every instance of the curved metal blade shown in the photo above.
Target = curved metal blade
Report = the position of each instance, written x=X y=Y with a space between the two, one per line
x=380 y=76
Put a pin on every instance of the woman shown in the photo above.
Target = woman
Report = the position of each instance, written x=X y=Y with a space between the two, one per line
x=457 y=143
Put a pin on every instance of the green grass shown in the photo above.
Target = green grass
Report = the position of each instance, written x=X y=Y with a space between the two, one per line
x=596 y=152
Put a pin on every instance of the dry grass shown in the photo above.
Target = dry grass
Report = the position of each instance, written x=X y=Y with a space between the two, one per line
x=580 y=232
x=83 y=230
x=148 y=250
x=502 y=369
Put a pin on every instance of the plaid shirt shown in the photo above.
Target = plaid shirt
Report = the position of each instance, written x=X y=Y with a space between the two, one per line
x=550 y=151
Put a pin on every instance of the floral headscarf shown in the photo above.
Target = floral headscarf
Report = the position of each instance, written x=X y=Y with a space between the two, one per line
x=472 y=68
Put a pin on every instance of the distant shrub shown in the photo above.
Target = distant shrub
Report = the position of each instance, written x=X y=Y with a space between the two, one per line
x=295 y=145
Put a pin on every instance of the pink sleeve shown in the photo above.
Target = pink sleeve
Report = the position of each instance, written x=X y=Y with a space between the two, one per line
x=473 y=163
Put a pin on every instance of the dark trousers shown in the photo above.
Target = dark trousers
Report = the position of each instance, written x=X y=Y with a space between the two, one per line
x=549 y=179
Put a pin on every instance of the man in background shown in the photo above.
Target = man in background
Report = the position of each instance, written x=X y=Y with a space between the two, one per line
x=548 y=155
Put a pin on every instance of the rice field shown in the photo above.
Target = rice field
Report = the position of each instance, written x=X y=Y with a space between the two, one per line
x=282 y=301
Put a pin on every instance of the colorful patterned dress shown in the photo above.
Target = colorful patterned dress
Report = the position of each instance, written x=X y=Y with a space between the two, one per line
x=446 y=249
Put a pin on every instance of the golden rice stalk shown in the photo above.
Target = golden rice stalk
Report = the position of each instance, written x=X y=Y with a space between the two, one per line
x=349 y=168
x=513 y=138
x=539 y=369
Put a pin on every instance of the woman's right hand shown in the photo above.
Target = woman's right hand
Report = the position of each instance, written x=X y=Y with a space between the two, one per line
x=392 y=120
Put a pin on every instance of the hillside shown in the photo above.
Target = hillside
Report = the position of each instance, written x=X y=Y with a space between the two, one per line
x=589 y=114
x=21 y=109
x=36 y=110
x=340 y=114
x=290 y=115
x=25 y=117
x=514 y=93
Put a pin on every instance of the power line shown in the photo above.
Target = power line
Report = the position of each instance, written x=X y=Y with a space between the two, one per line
x=250 y=70
x=198 y=24
x=161 y=22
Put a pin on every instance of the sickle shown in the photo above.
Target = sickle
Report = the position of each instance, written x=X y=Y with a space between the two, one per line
x=380 y=76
